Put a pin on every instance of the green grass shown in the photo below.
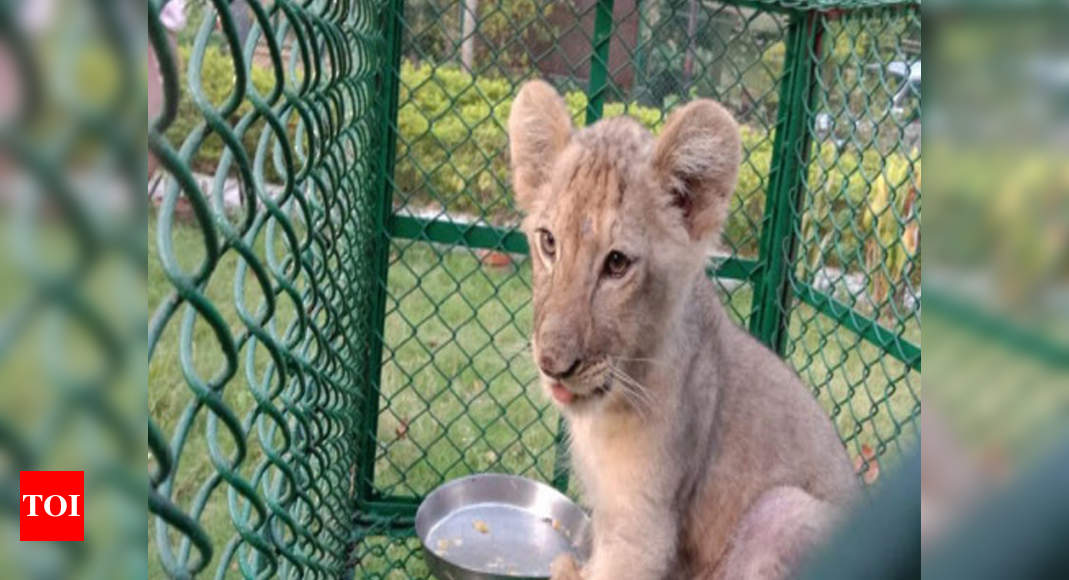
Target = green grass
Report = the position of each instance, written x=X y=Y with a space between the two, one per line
x=456 y=383
x=456 y=373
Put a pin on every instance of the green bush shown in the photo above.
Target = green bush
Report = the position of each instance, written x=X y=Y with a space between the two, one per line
x=452 y=146
x=840 y=186
x=217 y=82
x=451 y=132
x=452 y=138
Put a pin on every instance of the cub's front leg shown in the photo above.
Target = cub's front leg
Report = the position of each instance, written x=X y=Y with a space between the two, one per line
x=637 y=545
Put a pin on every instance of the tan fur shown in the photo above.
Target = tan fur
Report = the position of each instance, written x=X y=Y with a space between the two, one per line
x=700 y=452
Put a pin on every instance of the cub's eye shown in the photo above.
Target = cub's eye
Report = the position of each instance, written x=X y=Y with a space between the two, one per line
x=616 y=264
x=548 y=243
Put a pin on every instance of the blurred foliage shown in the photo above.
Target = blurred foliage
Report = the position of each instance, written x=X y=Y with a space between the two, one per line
x=997 y=285
x=72 y=265
x=1004 y=211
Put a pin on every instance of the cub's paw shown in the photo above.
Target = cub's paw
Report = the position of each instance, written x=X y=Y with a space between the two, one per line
x=564 y=567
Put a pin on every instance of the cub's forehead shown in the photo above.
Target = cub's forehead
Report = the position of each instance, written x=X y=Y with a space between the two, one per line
x=596 y=189
x=620 y=139
x=600 y=164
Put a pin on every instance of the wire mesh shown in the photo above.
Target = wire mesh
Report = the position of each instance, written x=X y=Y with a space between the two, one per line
x=259 y=274
x=343 y=298
x=857 y=264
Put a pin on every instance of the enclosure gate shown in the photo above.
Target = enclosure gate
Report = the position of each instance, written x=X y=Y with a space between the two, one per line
x=347 y=304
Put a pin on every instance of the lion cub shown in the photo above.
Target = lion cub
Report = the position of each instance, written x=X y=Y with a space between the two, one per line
x=701 y=453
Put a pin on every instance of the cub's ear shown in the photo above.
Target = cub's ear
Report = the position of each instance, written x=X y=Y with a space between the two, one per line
x=539 y=128
x=697 y=163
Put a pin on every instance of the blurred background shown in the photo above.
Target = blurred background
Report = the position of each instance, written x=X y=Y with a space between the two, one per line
x=78 y=87
x=72 y=275
x=996 y=290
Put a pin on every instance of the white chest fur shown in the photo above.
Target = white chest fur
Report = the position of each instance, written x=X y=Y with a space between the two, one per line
x=617 y=458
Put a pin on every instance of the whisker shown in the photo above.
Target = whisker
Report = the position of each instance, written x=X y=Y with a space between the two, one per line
x=633 y=390
x=636 y=403
x=624 y=375
x=641 y=359
x=641 y=399
x=640 y=405
x=638 y=388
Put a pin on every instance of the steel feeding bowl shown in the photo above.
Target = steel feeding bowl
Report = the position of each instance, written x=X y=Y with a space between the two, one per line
x=496 y=526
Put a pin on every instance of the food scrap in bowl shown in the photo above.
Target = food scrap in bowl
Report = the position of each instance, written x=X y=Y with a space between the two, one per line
x=481 y=527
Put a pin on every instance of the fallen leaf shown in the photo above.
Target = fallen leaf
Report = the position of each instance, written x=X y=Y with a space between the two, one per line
x=495 y=259
x=872 y=469
x=402 y=428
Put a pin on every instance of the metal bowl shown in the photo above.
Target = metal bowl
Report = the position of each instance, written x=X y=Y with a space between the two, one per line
x=496 y=526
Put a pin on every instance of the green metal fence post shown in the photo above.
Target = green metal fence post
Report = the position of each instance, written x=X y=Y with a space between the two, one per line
x=389 y=88
x=599 y=61
x=779 y=230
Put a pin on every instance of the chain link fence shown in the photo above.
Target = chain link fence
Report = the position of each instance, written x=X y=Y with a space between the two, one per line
x=340 y=296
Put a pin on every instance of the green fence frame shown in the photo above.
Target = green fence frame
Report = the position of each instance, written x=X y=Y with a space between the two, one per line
x=771 y=274
x=389 y=86
x=783 y=213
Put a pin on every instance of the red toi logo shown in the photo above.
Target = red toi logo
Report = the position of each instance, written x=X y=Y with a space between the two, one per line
x=51 y=506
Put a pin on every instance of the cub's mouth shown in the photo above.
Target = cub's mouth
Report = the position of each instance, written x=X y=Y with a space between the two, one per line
x=565 y=396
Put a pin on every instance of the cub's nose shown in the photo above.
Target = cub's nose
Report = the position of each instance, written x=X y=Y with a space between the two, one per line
x=558 y=366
